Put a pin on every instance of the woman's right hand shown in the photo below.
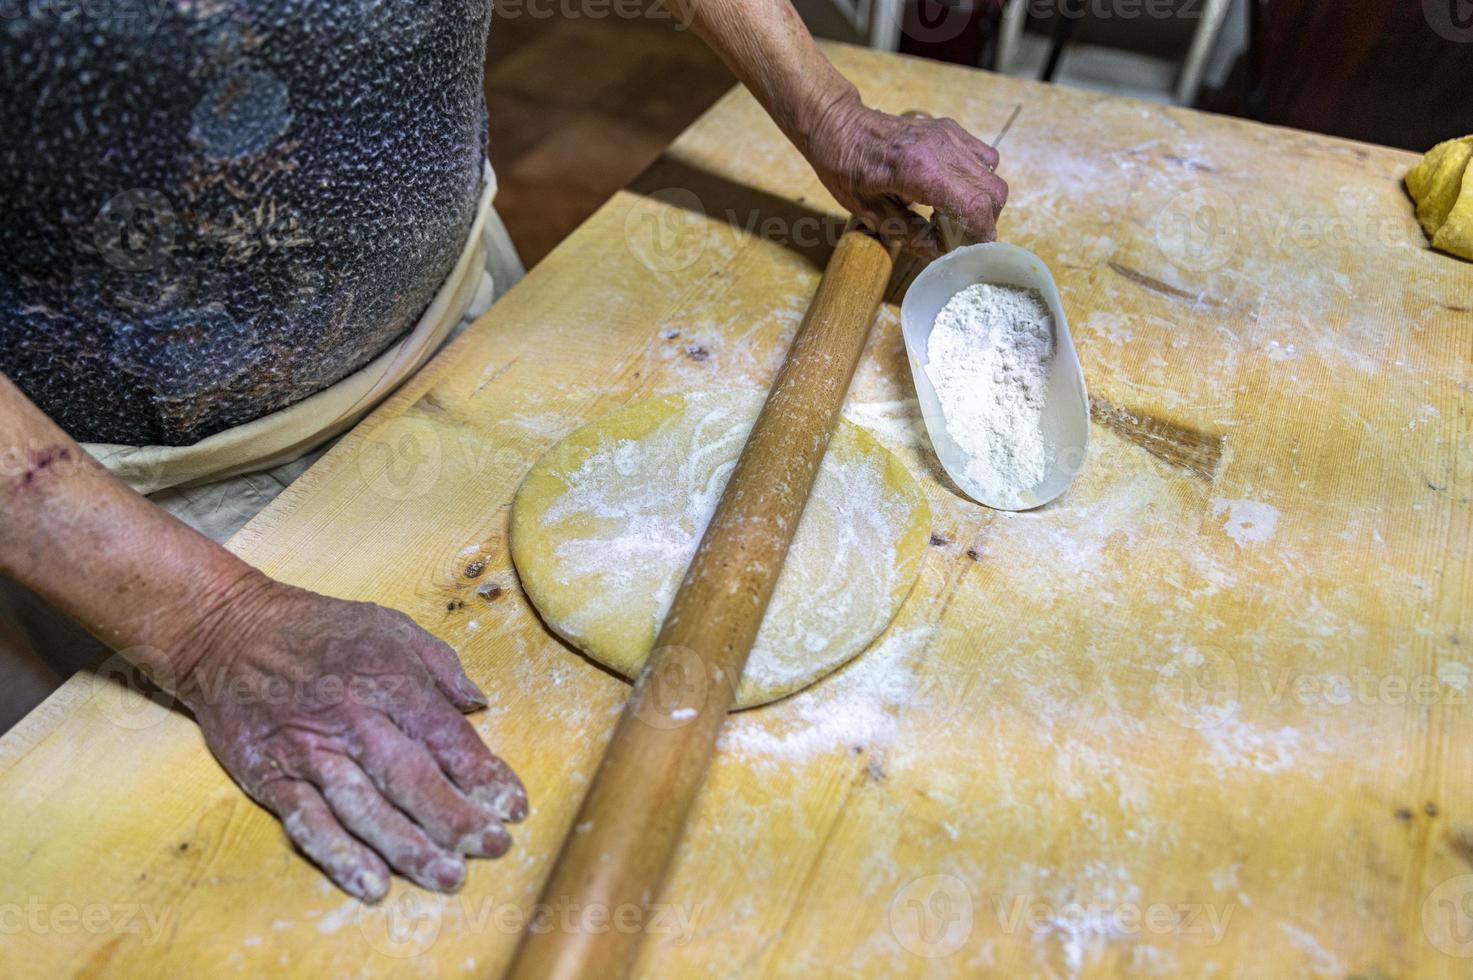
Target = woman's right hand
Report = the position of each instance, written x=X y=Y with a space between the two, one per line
x=345 y=720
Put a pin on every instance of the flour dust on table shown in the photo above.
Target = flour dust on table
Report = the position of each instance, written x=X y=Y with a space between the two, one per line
x=988 y=358
x=605 y=525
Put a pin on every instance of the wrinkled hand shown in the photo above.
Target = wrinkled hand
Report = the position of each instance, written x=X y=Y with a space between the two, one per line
x=344 y=719
x=876 y=165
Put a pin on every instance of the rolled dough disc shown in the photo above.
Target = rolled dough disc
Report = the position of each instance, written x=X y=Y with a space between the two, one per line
x=605 y=525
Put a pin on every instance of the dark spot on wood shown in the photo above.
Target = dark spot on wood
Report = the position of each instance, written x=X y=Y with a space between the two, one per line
x=475 y=568
x=856 y=749
x=1456 y=309
x=874 y=772
x=493 y=376
x=939 y=541
x=453 y=605
x=184 y=846
x=430 y=404
x=1171 y=442
x=974 y=554
x=697 y=353
x=1402 y=813
x=1196 y=165
x=1461 y=842
x=1431 y=810
x=1157 y=286
x=670 y=334
x=490 y=591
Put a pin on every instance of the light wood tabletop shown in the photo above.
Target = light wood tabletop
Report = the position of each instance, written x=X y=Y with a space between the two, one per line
x=1205 y=714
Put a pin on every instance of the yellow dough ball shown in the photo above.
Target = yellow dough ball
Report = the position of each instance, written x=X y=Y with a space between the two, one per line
x=1456 y=234
x=1442 y=186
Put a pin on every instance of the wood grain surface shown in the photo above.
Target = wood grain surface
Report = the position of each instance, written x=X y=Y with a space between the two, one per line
x=1206 y=713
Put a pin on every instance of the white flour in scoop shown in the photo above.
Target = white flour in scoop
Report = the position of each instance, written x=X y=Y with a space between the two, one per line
x=988 y=359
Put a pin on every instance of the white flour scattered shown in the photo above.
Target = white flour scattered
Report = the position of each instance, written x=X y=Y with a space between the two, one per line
x=856 y=708
x=988 y=359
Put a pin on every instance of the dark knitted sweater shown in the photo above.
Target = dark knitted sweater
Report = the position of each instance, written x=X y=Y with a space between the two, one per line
x=211 y=209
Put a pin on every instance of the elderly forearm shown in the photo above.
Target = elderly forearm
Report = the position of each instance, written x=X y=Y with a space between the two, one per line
x=876 y=165
x=343 y=718
x=769 y=49
x=138 y=579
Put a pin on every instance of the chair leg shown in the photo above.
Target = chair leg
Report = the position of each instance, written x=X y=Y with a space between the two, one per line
x=884 y=24
x=1063 y=31
x=1208 y=27
x=1013 y=16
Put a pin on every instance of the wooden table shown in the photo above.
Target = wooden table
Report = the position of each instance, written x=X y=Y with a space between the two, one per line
x=1206 y=713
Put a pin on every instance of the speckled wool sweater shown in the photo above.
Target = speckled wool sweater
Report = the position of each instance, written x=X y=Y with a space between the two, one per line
x=211 y=209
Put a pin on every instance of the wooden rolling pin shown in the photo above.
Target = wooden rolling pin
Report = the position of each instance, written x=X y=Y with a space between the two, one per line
x=613 y=861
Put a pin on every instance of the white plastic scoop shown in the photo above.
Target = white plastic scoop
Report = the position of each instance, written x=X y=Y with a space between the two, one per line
x=1066 y=403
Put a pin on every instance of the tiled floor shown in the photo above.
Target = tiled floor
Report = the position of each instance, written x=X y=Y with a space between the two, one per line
x=580 y=105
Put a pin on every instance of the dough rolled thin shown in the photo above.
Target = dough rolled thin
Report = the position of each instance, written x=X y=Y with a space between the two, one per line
x=606 y=523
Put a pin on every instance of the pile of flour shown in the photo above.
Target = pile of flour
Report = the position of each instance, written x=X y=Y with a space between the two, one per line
x=988 y=359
